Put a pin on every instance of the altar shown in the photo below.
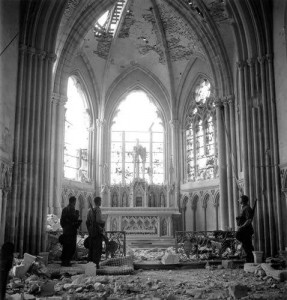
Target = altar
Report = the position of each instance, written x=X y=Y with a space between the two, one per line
x=142 y=209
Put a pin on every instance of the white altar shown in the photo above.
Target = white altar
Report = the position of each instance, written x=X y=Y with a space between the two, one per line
x=143 y=210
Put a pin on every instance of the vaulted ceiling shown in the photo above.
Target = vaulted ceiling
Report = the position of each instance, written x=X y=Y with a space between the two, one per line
x=166 y=40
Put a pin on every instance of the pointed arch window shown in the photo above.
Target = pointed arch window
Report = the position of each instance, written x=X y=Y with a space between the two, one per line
x=201 y=150
x=77 y=133
x=137 y=141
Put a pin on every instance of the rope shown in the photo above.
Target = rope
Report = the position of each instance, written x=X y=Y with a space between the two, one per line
x=9 y=44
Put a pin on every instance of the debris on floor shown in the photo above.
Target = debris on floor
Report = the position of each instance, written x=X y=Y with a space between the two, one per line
x=82 y=281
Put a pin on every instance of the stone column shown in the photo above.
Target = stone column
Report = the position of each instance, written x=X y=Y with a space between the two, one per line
x=17 y=145
x=274 y=135
x=222 y=166
x=243 y=124
x=37 y=148
x=249 y=134
x=174 y=126
x=4 y=193
x=204 y=206
x=51 y=58
x=5 y=187
x=25 y=143
x=193 y=207
x=57 y=158
x=231 y=100
x=228 y=163
x=267 y=161
x=100 y=145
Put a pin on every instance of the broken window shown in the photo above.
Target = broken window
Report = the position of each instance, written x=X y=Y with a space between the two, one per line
x=201 y=155
x=137 y=141
x=77 y=125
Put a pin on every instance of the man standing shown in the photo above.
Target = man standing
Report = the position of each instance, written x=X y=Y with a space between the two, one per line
x=95 y=226
x=70 y=223
x=245 y=229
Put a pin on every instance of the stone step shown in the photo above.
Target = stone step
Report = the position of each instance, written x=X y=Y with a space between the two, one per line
x=148 y=243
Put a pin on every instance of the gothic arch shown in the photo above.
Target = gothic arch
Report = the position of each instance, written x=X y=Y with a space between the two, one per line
x=91 y=96
x=205 y=199
x=86 y=18
x=184 y=106
x=212 y=44
x=137 y=78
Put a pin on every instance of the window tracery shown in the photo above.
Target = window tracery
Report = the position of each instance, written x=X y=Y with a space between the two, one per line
x=77 y=125
x=137 y=153
x=201 y=153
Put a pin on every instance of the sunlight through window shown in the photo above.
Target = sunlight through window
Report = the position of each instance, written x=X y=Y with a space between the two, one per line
x=137 y=141
x=77 y=123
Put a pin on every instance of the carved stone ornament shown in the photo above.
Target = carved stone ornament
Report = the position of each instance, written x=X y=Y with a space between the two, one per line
x=5 y=175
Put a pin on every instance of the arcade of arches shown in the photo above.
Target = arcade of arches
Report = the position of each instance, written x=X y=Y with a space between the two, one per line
x=167 y=109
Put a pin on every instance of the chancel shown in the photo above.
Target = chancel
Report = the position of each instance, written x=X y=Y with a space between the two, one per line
x=169 y=110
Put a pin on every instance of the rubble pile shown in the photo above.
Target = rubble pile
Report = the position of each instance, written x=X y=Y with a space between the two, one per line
x=53 y=223
x=30 y=278
x=153 y=254
x=172 y=285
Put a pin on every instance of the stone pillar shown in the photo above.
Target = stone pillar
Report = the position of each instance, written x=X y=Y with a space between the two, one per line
x=274 y=136
x=193 y=207
x=101 y=144
x=57 y=158
x=51 y=58
x=5 y=187
x=17 y=145
x=271 y=234
x=228 y=163
x=235 y=195
x=174 y=126
x=243 y=124
x=249 y=133
x=222 y=166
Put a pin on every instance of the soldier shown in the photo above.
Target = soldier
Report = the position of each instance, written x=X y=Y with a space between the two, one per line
x=245 y=228
x=70 y=223
x=95 y=225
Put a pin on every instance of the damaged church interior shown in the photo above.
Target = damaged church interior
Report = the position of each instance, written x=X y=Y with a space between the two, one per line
x=170 y=111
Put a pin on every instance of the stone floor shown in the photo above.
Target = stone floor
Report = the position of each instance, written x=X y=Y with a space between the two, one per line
x=210 y=283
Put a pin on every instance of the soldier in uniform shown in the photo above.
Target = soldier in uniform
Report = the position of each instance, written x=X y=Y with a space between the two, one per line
x=245 y=228
x=70 y=223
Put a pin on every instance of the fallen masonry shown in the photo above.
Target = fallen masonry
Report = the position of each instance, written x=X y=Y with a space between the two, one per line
x=206 y=280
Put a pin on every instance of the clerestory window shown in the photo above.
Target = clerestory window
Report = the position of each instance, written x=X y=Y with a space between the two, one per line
x=77 y=125
x=201 y=150
x=137 y=141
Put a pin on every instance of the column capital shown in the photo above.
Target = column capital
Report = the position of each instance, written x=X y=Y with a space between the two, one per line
x=230 y=98
x=261 y=59
x=174 y=123
x=101 y=122
x=217 y=102
x=231 y=21
x=22 y=48
x=5 y=174
x=194 y=204
x=269 y=57
x=41 y=54
x=241 y=64
x=251 y=61
x=225 y=101
x=31 y=51
x=51 y=57
x=59 y=99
